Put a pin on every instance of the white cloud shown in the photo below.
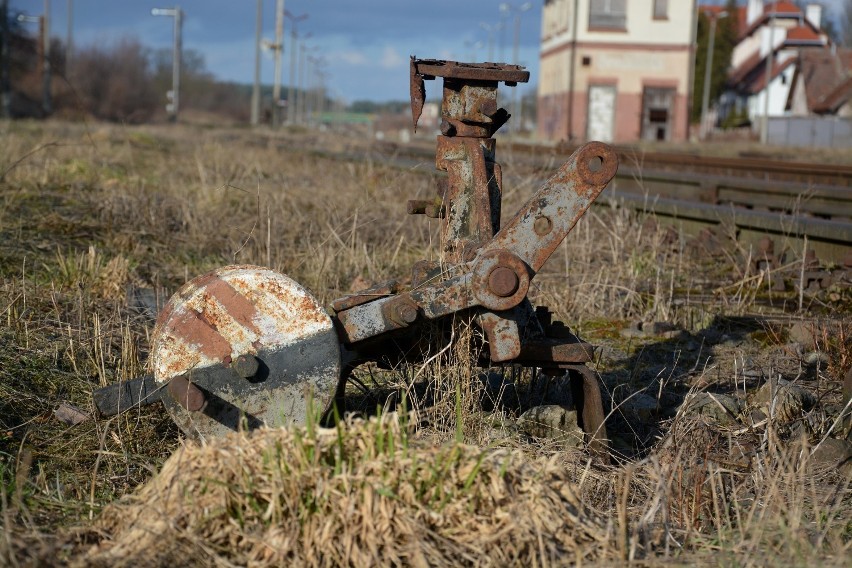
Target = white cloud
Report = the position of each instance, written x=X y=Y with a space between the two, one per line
x=391 y=58
x=352 y=57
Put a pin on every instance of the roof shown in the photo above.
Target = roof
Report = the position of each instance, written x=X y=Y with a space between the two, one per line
x=779 y=10
x=827 y=77
x=803 y=34
x=758 y=82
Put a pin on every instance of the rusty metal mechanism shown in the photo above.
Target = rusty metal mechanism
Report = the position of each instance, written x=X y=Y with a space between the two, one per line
x=245 y=346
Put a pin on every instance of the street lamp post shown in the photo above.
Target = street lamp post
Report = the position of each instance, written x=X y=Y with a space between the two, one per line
x=279 y=51
x=173 y=107
x=708 y=71
x=489 y=29
x=291 y=88
x=255 y=92
x=304 y=51
x=507 y=8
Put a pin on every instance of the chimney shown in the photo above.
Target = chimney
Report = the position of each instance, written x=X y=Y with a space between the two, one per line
x=813 y=13
x=753 y=11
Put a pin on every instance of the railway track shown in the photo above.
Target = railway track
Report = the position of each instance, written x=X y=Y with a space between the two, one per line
x=797 y=205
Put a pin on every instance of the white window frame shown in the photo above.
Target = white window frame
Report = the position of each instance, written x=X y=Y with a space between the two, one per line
x=608 y=14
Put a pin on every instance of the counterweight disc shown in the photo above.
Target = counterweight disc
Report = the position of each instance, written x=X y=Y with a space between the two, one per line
x=241 y=347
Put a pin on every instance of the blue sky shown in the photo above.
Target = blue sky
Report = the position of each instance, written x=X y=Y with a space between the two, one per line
x=365 y=42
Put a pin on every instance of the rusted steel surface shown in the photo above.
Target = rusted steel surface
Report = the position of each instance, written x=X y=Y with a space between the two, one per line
x=503 y=334
x=244 y=345
x=372 y=293
x=541 y=225
x=431 y=68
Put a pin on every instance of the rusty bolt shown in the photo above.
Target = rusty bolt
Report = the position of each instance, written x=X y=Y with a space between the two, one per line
x=447 y=129
x=186 y=394
x=246 y=366
x=542 y=226
x=404 y=313
x=503 y=282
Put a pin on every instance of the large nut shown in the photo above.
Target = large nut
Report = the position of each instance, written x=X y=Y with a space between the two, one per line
x=186 y=394
x=246 y=366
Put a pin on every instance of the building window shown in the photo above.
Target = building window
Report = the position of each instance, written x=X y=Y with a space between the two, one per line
x=609 y=14
x=661 y=9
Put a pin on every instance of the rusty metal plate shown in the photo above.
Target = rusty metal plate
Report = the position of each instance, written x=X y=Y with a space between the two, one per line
x=429 y=68
x=241 y=347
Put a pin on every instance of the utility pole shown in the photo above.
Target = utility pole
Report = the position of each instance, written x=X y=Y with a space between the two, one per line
x=506 y=8
x=174 y=95
x=47 y=102
x=69 y=36
x=770 y=57
x=5 y=87
x=291 y=87
x=43 y=51
x=279 y=49
x=301 y=106
x=255 y=92
x=489 y=29
x=708 y=72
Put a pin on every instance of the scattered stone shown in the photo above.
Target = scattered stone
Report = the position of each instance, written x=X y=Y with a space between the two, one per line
x=833 y=453
x=803 y=333
x=721 y=408
x=553 y=422
x=815 y=358
x=790 y=400
x=652 y=329
x=640 y=406
x=69 y=414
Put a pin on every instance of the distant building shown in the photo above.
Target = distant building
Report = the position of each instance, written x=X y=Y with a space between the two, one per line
x=774 y=38
x=822 y=84
x=615 y=70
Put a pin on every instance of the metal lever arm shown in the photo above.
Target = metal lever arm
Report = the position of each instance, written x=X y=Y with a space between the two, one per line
x=498 y=277
x=545 y=220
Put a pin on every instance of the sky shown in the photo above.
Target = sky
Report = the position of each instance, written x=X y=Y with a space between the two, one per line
x=366 y=43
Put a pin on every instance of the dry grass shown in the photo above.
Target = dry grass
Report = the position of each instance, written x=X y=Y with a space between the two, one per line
x=90 y=214
x=358 y=495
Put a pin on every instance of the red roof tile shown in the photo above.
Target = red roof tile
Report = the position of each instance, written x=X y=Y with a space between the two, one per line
x=803 y=33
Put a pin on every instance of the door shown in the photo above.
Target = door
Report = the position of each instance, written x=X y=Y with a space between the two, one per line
x=601 y=115
x=657 y=112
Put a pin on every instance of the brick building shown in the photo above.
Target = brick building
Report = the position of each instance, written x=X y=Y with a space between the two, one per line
x=615 y=70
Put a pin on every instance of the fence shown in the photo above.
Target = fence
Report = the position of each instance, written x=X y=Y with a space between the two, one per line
x=812 y=131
